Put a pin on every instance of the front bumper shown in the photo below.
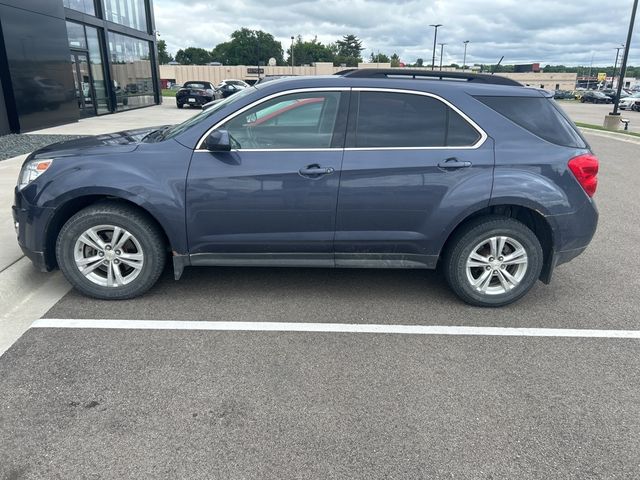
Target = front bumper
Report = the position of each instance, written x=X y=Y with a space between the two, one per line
x=31 y=225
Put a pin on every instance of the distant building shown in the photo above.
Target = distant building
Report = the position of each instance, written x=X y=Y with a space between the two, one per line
x=61 y=60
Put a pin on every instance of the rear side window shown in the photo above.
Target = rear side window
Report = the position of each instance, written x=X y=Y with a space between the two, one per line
x=387 y=119
x=540 y=116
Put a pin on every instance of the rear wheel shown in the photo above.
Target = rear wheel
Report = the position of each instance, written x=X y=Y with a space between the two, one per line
x=493 y=261
x=180 y=105
x=111 y=251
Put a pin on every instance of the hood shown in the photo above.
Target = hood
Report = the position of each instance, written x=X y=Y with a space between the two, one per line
x=125 y=141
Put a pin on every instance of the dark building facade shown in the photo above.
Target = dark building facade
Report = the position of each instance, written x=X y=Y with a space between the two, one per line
x=62 y=60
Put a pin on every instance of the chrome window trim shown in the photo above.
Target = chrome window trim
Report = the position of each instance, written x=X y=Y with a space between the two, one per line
x=262 y=100
x=478 y=144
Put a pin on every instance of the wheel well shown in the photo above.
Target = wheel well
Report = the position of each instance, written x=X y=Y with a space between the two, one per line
x=69 y=209
x=531 y=218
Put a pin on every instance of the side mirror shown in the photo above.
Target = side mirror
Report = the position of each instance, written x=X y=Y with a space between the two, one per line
x=218 y=141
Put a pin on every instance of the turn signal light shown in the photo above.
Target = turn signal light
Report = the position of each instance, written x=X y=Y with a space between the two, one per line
x=585 y=169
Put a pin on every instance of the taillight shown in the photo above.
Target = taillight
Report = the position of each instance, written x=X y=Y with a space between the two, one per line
x=585 y=169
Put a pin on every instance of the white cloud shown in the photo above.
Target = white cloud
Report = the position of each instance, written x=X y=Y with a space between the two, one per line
x=544 y=31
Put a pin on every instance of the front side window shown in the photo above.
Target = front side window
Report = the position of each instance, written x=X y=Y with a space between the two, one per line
x=295 y=121
x=393 y=120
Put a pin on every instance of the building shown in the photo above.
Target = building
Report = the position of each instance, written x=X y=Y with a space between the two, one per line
x=61 y=60
x=172 y=74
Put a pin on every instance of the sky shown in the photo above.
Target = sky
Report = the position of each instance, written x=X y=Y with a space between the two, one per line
x=565 y=32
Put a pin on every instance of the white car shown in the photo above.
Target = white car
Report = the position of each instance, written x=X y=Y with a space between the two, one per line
x=631 y=102
x=234 y=82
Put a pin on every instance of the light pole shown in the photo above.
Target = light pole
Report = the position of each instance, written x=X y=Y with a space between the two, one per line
x=464 y=61
x=611 y=120
x=292 y=54
x=615 y=65
x=435 y=37
x=441 y=50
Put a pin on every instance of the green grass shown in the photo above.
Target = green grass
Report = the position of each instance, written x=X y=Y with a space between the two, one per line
x=600 y=127
x=169 y=93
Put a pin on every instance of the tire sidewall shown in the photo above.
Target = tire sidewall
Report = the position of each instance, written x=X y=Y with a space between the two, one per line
x=65 y=255
x=457 y=275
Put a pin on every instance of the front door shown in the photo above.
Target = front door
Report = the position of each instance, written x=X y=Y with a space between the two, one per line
x=412 y=165
x=83 y=84
x=274 y=196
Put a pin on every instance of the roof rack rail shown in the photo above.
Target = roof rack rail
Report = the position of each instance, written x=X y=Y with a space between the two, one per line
x=434 y=74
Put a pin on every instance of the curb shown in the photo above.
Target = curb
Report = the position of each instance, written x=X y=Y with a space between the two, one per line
x=615 y=136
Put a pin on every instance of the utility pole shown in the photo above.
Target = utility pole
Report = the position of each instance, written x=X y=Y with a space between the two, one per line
x=441 y=50
x=292 y=54
x=612 y=121
x=625 y=57
x=615 y=65
x=435 y=38
x=464 y=61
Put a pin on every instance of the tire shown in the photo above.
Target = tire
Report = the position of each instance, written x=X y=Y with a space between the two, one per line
x=139 y=259
x=180 y=105
x=474 y=237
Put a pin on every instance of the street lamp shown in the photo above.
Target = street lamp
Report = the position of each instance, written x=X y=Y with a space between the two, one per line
x=464 y=61
x=435 y=37
x=613 y=116
x=615 y=65
x=292 y=37
x=441 y=50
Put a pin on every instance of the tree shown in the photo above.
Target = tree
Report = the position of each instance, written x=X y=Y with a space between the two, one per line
x=193 y=56
x=347 y=51
x=310 y=52
x=419 y=62
x=248 y=47
x=379 y=58
x=395 y=60
x=163 y=56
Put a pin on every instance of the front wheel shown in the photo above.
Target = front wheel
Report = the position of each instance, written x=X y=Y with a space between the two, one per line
x=111 y=251
x=493 y=261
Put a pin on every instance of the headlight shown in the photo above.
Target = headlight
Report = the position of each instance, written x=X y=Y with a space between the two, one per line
x=32 y=170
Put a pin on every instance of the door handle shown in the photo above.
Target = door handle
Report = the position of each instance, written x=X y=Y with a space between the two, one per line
x=453 y=163
x=315 y=170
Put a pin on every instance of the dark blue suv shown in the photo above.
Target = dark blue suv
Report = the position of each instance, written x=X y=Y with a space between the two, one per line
x=474 y=174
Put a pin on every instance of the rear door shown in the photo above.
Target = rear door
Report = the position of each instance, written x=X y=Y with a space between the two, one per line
x=414 y=163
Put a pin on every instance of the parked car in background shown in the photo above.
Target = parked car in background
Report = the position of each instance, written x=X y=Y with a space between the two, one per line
x=195 y=94
x=487 y=180
x=593 y=96
x=563 y=95
x=226 y=88
x=631 y=102
x=613 y=93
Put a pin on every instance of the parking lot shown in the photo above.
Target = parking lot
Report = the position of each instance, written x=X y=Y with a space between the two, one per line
x=108 y=400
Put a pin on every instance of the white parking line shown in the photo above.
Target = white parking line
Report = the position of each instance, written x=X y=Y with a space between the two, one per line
x=331 y=328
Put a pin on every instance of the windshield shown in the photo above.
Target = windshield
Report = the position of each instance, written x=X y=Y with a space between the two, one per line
x=205 y=114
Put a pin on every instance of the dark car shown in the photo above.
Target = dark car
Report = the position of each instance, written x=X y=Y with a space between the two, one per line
x=195 y=94
x=482 y=178
x=613 y=94
x=592 y=96
x=563 y=95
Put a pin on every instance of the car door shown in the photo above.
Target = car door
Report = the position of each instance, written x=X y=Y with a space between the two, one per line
x=413 y=164
x=272 y=198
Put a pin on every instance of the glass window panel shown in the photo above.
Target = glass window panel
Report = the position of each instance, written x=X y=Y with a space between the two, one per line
x=75 y=33
x=84 y=6
x=97 y=71
x=130 y=13
x=131 y=71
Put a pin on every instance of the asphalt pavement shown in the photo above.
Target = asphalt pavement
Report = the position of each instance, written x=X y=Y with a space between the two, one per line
x=97 y=403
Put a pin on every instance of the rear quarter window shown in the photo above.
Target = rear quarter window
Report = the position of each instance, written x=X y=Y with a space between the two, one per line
x=540 y=116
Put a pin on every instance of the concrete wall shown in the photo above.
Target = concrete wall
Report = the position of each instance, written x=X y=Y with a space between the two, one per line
x=215 y=74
